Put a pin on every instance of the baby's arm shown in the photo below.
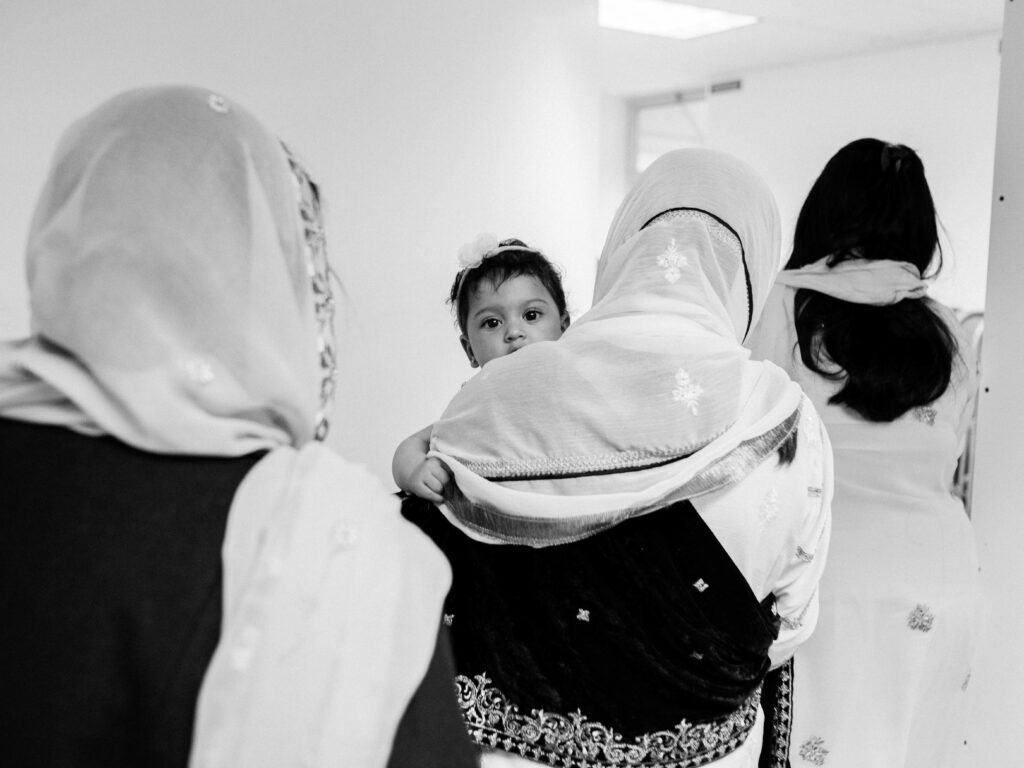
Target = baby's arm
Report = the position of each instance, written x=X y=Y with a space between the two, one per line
x=416 y=474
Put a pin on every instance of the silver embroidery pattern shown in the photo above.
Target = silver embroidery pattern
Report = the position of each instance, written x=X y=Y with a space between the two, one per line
x=769 y=507
x=686 y=392
x=574 y=740
x=700 y=585
x=544 y=532
x=318 y=268
x=798 y=622
x=714 y=227
x=967 y=681
x=576 y=464
x=448 y=619
x=583 y=615
x=813 y=751
x=783 y=717
x=921 y=618
x=671 y=261
x=803 y=555
x=925 y=414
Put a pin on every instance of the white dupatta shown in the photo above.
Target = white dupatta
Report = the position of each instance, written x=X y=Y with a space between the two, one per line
x=174 y=307
x=649 y=397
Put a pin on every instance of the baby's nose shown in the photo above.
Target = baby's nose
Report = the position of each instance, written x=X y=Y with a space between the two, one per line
x=513 y=331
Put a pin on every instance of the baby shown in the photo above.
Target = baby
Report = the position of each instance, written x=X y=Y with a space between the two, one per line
x=506 y=295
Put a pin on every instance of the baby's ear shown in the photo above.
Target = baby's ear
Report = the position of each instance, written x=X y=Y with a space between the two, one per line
x=469 y=351
x=565 y=320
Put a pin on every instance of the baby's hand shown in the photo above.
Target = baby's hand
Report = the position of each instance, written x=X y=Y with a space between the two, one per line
x=429 y=479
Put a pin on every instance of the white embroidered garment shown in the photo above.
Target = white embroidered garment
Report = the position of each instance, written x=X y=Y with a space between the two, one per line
x=899 y=597
x=648 y=397
x=651 y=392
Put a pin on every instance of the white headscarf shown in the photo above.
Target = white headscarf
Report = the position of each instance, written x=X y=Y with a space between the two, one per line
x=170 y=301
x=180 y=304
x=649 y=397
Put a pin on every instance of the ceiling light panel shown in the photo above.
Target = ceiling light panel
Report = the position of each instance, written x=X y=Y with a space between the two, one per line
x=667 y=19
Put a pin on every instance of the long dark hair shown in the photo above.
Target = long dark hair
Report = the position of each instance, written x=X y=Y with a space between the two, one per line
x=872 y=201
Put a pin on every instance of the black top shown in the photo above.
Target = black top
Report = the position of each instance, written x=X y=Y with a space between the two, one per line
x=638 y=627
x=111 y=605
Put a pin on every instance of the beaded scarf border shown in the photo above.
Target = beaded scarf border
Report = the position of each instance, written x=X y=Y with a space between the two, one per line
x=573 y=741
x=318 y=268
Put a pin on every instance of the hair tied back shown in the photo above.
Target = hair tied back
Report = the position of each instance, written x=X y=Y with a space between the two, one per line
x=894 y=155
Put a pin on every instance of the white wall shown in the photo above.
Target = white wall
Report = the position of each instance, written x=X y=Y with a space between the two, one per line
x=998 y=675
x=425 y=123
x=939 y=99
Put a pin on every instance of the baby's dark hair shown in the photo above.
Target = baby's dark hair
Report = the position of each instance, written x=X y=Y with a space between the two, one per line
x=499 y=267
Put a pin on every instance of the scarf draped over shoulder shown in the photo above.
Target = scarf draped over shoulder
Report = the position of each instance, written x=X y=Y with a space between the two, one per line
x=649 y=398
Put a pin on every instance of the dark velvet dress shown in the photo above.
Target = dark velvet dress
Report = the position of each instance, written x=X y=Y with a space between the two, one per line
x=111 y=606
x=641 y=645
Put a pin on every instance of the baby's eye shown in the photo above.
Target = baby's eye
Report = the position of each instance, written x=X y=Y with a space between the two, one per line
x=490 y=322
x=532 y=314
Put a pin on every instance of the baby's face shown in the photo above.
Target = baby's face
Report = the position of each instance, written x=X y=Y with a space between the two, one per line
x=506 y=318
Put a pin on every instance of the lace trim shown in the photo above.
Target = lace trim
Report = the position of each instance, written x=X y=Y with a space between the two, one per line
x=575 y=465
x=715 y=227
x=511 y=528
x=574 y=741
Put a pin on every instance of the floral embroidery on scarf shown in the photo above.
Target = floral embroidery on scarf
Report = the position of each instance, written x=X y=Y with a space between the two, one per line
x=813 y=751
x=921 y=618
x=769 y=507
x=218 y=103
x=200 y=371
x=686 y=392
x=803 y=555
x=583 y=615
x=925 y=414
x=671 y=261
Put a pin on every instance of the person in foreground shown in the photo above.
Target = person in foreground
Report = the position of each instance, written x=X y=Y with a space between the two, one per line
x=882 y=683
x=173 y=529
x=640 y=514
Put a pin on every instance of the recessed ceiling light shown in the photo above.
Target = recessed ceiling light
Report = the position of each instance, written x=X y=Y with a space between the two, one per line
x=667 y=18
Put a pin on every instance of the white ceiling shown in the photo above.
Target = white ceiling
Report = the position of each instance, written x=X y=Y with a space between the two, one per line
x=791 y=32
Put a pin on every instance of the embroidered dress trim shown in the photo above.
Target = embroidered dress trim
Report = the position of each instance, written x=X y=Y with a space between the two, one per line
x=782 y=716
x=573 y=741
x=544 y=532
x=577 y=466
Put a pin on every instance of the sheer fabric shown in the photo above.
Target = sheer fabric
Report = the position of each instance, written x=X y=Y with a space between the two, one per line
x=648 y=398
x=175 y=307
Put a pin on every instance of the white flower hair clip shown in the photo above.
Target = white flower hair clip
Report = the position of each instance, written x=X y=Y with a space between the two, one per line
x=472 y=254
